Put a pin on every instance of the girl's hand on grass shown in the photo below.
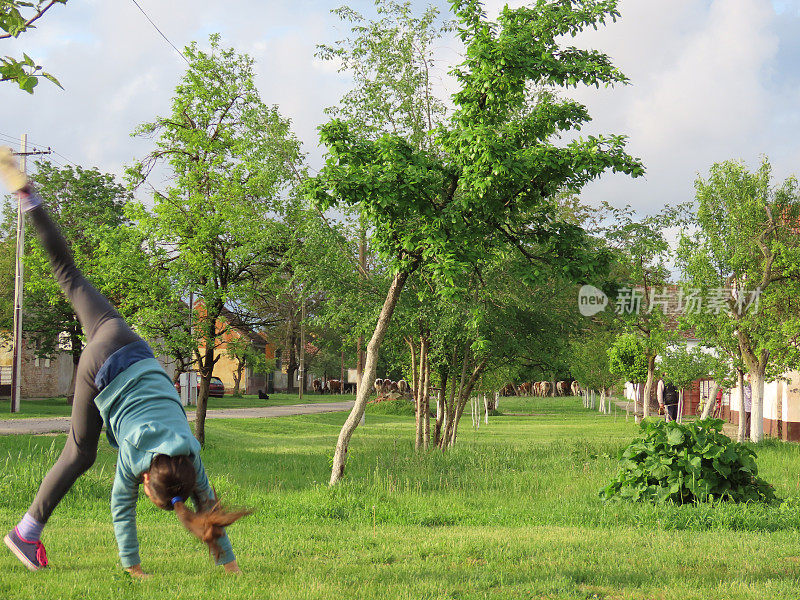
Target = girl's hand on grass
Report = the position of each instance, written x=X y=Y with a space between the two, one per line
x=137 y=573
x=232 y=567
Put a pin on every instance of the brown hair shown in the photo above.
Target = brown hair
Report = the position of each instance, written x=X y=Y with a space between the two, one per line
x=172 y=476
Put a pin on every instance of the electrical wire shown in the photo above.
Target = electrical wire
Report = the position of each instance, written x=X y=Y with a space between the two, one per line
x=36 y=147
x=159 y=31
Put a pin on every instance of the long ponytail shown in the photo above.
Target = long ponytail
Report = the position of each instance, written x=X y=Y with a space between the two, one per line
x=208 y=525
x=172 y=480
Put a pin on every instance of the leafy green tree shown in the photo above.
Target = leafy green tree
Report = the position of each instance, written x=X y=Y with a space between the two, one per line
x=217 y=224
x=627 y=358
x=643 y=251
x=246 y=355
x=16 y=17
x=682 y=366
x=746 y=256
x=391 y=60
x=491 y=172
x=716 y=330
x=590 y=362
x=135 y=268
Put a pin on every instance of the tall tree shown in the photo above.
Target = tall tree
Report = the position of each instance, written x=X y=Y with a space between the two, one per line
x=17 y=17
x=232 y=157
x=746 y=253
x=643 y=302
x=627 y=358
x=491 y=173
x=590 y=361
x=682 y=366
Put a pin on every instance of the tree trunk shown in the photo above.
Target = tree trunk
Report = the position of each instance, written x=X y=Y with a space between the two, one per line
x=414 y=386
x=237 y=378
x=418 y=397
x=465 y=394
x=368 y=379
x=455 y=400
x=638 y=398
x=757 y=406
x=741 y=434
x=440 y=409
x=206 y=370
x=426 y=398
x=360 y=363
x=449 y=404
x=757 y=367
x=712 y=401
x=648 y=386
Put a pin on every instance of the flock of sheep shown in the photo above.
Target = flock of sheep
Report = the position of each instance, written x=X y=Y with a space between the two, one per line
x=542 y=388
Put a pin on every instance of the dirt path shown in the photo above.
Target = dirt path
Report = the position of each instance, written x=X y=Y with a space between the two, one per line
x=61 y=424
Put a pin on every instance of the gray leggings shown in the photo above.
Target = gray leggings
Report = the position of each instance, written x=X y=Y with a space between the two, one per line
x=106 y=332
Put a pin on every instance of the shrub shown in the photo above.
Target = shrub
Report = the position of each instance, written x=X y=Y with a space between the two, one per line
x=680 y=463
x=391 y=407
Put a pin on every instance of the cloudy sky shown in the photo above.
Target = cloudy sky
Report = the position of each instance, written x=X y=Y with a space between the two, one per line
x=710 y=80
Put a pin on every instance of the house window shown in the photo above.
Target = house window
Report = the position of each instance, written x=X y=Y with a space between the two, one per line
x=278 y=362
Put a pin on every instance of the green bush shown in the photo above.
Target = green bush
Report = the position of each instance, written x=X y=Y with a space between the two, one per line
x=693 y=462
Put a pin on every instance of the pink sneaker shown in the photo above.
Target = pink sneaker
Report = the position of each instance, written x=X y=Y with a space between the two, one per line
x=32 y=554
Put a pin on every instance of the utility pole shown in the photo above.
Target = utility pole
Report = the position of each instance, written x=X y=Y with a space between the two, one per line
x=16 y=361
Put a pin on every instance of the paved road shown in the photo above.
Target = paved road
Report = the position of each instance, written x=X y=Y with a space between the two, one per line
x=61 y=424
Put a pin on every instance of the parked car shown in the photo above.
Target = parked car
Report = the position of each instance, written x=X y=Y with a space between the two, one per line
x=215 y=388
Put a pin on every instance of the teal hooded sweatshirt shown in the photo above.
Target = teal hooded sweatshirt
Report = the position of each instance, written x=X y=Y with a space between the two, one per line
x=144 y=417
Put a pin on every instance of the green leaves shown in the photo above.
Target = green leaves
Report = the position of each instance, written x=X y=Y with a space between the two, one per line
x=746 y=241
x=682 y=366
x=216 y=231
x=17 y=16
x=675 y=437
x=87 y=204
x=627 y=357
x=680 y=463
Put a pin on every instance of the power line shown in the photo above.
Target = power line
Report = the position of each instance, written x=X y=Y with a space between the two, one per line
x=159 y=31
x=37 y=146
x=71 y=162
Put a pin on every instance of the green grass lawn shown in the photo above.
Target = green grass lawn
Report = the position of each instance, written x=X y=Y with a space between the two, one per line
x=57 y=407
x=511 y=512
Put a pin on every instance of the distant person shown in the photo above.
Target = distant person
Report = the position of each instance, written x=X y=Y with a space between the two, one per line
x=119 y=384
x=667 y=395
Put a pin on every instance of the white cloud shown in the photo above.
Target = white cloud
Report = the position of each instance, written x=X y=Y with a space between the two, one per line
x=711 y=79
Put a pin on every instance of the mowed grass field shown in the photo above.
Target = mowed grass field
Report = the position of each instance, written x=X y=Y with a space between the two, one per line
x=511 y=512
x=58 y=407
